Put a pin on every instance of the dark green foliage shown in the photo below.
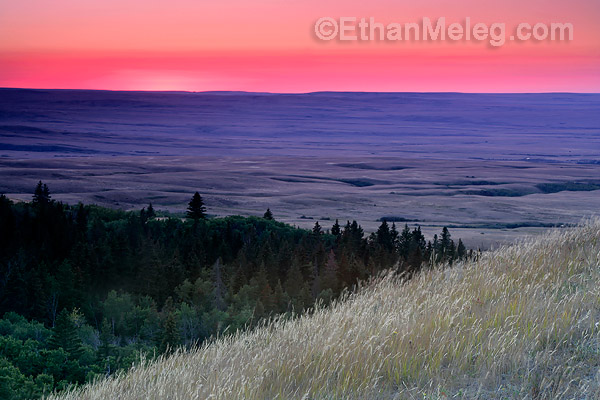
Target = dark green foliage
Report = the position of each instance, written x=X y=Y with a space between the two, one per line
x=170 y=338
x=569 y=186
x=64 y=335
x=148 y=285
x=501 y=192
x=106 y=340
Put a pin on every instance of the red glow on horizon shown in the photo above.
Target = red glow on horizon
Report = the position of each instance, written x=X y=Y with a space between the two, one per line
x=268 y=46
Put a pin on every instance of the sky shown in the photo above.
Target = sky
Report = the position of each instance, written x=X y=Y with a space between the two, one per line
x=271 y=46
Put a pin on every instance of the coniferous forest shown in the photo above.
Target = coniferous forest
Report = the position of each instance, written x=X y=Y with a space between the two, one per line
x=86 y=291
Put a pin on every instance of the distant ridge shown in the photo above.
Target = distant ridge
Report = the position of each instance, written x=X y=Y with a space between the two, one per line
x=242 y=92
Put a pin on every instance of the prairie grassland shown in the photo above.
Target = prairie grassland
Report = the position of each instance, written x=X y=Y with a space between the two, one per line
x=522 y=322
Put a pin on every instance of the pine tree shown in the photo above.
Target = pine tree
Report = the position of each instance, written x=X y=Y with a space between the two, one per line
x=267 y=259
x=404 y=242
x=415 y=259
x=317 y=229
x=335 y=229
x=41 y=195
x=418 y=238
x=8 y=225
x=259 y=310
x=170 y=337
x=330 y=278
x=446 y=244
x=461 y=251
x=451 y=253
x=344 y=272
x=265 y=294
x=294 y=280
x=394 y=235
x=150 y=213
x=219 y=290
x=305 y=300
x=280 y=297
x=196 y=209
x=67 y=281
x=268 y=214
x=356 y=233
x=106 y=339
x=36 y=290
x=143 y=215
x=316 y=286
x=347 y=230
x=64 y=335
x=384 y=239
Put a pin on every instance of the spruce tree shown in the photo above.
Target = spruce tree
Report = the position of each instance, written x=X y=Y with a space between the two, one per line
x=294 y=280
x=330 y=273
x=446 y=245
x=81 y=218
x=394 y=235
x=418 y=238
x=41 y=195
x=219 y=291
x=404 y=242
x=264 y=291
x=170 y=337
x=268 y=214
x=64 y=335
x=315 y=287
x=461 y=251
x=259 y=310
x=356 y=235
x=335 y=229
x=280 y=297
x=196 y=209
x=106 y=339
x=451 y=253
x=317 y=229
x=384 y=239
x=150 y=213
x=143 y=215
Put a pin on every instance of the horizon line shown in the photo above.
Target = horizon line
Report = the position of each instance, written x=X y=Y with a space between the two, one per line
x=216 y=92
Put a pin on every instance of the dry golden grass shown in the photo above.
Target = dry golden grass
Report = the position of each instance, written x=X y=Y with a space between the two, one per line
x=523 y=322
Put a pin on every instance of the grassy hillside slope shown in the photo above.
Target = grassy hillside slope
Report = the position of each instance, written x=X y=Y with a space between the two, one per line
x=522 y=322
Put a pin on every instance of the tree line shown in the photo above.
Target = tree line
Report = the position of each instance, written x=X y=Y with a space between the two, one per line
x=84 y=290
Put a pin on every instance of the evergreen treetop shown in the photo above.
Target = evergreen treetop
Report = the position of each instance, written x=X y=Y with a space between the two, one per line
x=150 y=213
x=65 y=335
x=335 y=229
x=41 y=195
x=196 y=209
x=317 y=229
x=268 y=214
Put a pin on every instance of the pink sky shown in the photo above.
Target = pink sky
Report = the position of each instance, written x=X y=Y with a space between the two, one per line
x=269 y=45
